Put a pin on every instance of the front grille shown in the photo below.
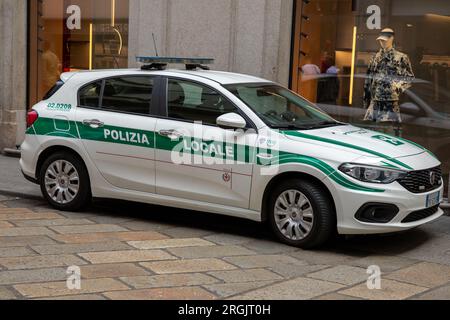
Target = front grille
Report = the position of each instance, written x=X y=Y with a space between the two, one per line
x=420 y=215
x=420 y=181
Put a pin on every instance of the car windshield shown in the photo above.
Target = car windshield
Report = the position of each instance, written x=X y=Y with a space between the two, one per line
x=280 y=108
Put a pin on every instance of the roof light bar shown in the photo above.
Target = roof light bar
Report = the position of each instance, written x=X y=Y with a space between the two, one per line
x=160 y=63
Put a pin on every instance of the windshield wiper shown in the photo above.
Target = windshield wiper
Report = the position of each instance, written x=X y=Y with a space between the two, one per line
x=290 y=127
x=327 y=124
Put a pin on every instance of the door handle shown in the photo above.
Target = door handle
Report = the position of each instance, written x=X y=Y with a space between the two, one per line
x=94 y=124
x=171 y=134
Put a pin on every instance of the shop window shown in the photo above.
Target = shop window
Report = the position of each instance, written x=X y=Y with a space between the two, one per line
x=334 y=42
x=71 y=35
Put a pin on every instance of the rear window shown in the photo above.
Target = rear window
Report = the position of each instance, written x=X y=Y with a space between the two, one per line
x=58 y=85
x=90 y=95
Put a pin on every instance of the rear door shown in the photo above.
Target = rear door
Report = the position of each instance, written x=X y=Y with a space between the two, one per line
x=117 y=129
x=197 y=160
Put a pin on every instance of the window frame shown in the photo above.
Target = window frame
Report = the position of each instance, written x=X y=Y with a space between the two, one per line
x=164 y=109
x=154 y=106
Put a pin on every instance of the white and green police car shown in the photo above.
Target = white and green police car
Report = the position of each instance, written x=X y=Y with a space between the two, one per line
x=228 y=144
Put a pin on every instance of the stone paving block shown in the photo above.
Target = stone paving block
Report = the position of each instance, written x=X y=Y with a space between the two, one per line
x=110 y=219
x=248 y=275
x=290 y=271
x=346 y=275
x=210 y=252
x=327 y=257
x=166 y=281
x=112 y=271
x=32 y=276
x=144 y=225
x=6 y=242
x=170 y=243
x=52 y=222
x=96 y=228
x=84 y=297
x=25 y=214
x=442 y=293
x=190 y=293
x=264 y=261
x=386 y=263
x=424 y=274
x=109 y=236
x=56 y=289
x=269 y=247
x=81 y=248
x=38 y=262
x=33 y=231
x=225 y=290
x=296 y=289
x=336 y=297
x=390 y=290
x=188 y=266
x=225 y=239
x=184 y=232
x=15 y=252
x=4 y=225
x=6 y=294
x=126 y=256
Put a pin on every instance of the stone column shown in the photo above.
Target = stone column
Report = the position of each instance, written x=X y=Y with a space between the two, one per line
x=13 y=72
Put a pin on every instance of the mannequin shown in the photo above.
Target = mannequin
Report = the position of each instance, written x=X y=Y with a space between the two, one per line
x=389 y=75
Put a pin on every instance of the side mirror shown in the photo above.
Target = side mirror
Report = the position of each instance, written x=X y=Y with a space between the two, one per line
x=411 y=109
x=231 y=121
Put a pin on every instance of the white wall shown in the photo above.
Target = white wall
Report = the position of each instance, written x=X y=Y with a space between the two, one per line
x=247 y=36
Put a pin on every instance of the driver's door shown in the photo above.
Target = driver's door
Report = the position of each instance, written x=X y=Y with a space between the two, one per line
x=195 y=159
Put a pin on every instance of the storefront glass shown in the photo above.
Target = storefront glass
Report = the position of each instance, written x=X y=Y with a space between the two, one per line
x=68 y=35
x=335 y=42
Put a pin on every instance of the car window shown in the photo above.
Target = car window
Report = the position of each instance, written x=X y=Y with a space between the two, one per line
x=131 y=94
x=190 y=101
x=90 y=95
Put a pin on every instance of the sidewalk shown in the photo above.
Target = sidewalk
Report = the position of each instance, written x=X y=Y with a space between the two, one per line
x=12 y=181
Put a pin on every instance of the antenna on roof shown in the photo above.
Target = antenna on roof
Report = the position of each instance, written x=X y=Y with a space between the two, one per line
x=154 y=44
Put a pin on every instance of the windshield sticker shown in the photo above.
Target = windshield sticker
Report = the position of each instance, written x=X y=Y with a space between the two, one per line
x=390 y=140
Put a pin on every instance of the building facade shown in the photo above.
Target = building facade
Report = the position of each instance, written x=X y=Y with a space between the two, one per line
x=319 y=48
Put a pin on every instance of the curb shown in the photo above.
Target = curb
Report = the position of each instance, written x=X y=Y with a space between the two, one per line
x=19 y=195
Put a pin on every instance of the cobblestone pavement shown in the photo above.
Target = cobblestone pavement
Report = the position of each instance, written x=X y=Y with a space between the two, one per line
x=134 y=251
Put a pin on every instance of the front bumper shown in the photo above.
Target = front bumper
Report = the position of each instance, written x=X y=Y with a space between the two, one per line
x=349 y=202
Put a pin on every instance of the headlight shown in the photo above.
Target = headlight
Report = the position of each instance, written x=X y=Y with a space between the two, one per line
x=372 y=174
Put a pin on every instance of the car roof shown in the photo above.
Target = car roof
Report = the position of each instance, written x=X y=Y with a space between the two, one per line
x=222 y=77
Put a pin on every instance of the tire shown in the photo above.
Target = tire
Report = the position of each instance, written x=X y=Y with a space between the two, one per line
x=59 y=190
x=317 y=214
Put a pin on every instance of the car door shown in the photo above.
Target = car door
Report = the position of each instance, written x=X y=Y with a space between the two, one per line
x=117 y=129
x=197 y=160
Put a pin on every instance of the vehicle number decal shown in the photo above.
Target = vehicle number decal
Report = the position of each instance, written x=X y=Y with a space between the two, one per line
x=59 y=106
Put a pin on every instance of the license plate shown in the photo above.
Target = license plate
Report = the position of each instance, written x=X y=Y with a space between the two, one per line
x=433 y=199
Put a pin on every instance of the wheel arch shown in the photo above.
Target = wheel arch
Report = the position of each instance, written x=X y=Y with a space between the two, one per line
x=52 y=150
x=291 y=175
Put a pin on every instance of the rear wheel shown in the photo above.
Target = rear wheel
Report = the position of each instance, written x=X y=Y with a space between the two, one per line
x=301 y=214
x=65 y=182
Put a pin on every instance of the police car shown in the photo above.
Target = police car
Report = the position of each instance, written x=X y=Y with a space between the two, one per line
x=225 y=143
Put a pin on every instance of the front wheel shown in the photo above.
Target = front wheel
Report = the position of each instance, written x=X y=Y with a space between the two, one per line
x=65 y=182
x=301 y=214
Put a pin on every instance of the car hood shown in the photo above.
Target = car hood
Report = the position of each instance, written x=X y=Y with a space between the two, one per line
x=359 y=141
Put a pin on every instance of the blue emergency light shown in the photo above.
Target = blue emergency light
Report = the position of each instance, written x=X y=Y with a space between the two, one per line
x=160 y=63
